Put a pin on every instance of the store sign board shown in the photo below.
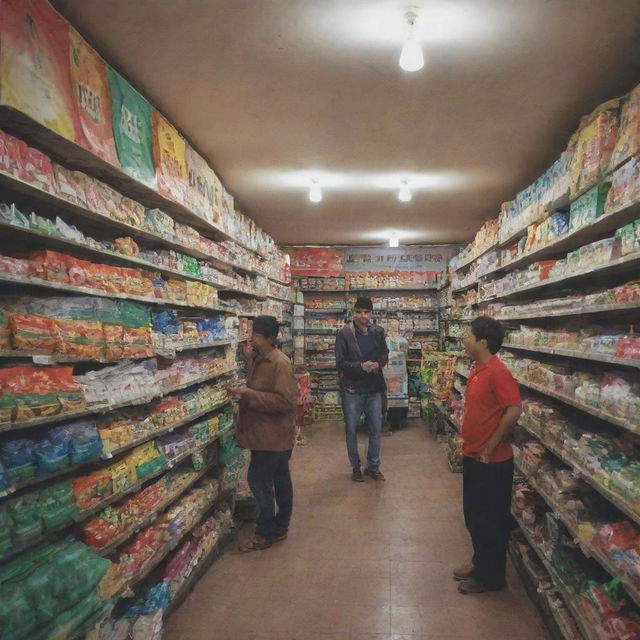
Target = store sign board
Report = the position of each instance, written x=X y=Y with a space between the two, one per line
x=414 y=258
x=317 y=261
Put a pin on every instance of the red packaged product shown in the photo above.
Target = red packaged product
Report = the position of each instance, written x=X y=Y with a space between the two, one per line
x=628 y=348
x=32 y=332
x=91 y=489
x=11 y=155
x=37 y=169
x=49 y=265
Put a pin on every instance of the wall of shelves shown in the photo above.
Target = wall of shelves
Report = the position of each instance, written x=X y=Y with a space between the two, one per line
x=185 y=277
x=559 y=269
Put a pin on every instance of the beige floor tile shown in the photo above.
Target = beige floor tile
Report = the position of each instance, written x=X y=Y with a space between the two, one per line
x=368 y=561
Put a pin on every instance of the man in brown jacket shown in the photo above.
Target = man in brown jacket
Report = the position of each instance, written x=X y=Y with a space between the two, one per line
x=266 y=426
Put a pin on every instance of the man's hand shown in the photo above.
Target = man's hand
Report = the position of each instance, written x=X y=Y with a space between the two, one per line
x=239 y=392
x=370 y=366
x=485 y=456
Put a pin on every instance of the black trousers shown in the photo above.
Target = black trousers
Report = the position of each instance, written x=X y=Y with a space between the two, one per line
x=486 y=498
x=270 y=481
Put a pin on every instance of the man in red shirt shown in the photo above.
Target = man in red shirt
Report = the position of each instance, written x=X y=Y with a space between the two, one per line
x=492 y=408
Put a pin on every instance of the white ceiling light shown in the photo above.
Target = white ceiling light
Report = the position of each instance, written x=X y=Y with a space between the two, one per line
x=315 y=193
x=394 y=241
x=404 y=195
x=411 y=58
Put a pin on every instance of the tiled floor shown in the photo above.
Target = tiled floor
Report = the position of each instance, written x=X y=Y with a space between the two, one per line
x=365 y=561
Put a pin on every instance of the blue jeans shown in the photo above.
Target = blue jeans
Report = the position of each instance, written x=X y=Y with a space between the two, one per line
x=353 y=405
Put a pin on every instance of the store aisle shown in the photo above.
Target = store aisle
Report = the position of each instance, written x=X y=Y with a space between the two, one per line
x=363 y=561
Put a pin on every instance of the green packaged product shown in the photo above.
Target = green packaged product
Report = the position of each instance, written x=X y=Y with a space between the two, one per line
x=588 y=207
x=56 y=505
x=16 y=614
x=38 y=588
x=132 y=129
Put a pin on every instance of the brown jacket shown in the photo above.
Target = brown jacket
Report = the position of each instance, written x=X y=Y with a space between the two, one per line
x=267 y=418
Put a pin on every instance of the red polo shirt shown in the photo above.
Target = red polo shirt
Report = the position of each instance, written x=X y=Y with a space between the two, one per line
x=490 y=390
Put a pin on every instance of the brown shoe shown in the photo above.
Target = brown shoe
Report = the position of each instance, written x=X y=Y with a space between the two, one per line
x=376 y=475
x=463 y=573
x=356 y=476
x=255 y=543
x=473 y=586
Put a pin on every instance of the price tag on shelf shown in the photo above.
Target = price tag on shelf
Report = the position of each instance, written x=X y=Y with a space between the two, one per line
x=43 y=360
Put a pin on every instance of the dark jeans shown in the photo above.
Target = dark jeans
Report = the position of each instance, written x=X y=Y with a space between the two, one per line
x=270 y=482
x=486 y=498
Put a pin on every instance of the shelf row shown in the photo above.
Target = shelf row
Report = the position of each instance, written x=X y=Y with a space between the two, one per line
x=567 y=241
x=15 y=184
x=564 y=591
x=24 y=281
x=45 y=357
x=114 y=452
x=576 y=354
x=588 y=549
x=76 y=157
x=52 y=241
x=597 y=413
x=107 y=407
x=617 y=499
x=84 y=514
x=569 y=311
x=626 y=264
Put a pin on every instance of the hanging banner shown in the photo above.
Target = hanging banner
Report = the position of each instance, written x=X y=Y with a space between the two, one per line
x=169 y=149
x=317 y=261
x=34 y=65
x=414 y=258
x=92 y=97
x=200 y=196
x=131 y=117
x=414 y=267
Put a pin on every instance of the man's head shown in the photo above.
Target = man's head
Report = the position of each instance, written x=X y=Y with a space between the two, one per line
x=362 y=311
x=264 y=334
x=484 y=338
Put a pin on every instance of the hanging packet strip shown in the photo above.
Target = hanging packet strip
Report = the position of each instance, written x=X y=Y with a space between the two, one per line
x=131 y=118
x=34 y=65
x=93 y=101
x=169 y=149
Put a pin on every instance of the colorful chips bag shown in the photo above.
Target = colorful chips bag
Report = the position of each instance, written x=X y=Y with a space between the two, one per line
x=131 y=118
x=169 y=149
x=93 y=101
x=34 y=65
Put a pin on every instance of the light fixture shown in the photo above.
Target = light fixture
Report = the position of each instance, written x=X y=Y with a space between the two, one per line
x=315 y=193
x=411 y=58
x=394 y=241
x=404 y=195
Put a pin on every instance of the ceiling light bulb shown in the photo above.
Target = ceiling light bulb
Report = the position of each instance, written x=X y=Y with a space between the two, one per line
x=411 y=58
x=315 y=193
x=394 y=240
x=404 y=195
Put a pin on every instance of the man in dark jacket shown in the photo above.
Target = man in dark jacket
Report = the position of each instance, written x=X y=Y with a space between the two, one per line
x=361 y=353
x=266 y=426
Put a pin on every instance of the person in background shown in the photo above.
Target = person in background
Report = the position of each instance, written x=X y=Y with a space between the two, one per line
x=266 y=426
x=396 y=376
x=492 y=408
x=361 y=354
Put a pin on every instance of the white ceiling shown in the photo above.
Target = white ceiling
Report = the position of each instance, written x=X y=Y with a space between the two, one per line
x=275 y=91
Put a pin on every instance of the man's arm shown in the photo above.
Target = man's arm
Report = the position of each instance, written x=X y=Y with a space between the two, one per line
x=280 y=401
x=384 y=351
x=352 y=368
x=507 y=423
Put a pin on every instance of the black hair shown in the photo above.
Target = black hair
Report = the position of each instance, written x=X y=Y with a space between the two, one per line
x=485 y=328
x=364 y=303
x=266 y=326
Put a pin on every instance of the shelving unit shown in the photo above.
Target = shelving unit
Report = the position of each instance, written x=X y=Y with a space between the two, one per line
x=246 y=275
x=579 y=291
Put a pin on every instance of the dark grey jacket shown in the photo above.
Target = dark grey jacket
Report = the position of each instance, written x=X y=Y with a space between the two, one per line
x=349 y=361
